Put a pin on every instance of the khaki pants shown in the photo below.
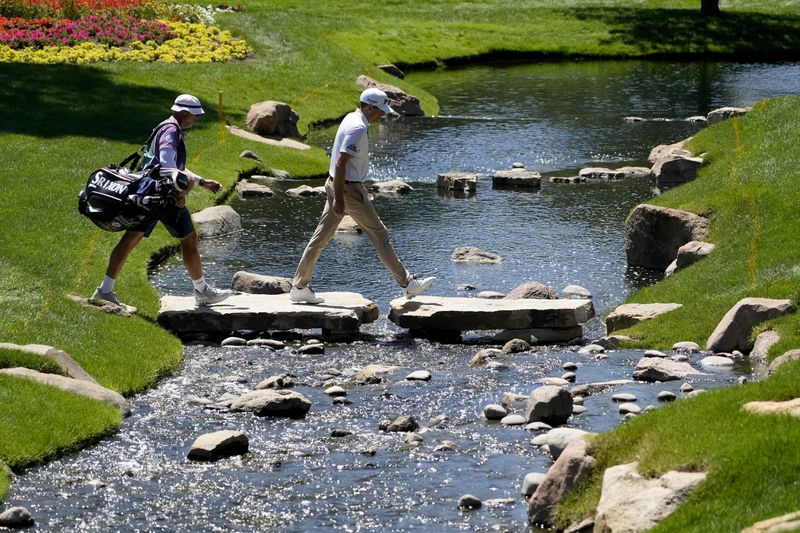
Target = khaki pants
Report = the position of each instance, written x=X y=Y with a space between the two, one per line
x=358 y=205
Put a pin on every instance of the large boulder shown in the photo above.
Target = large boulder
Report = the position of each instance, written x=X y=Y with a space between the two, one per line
x=399 y=100
x=654 y=369
x=653 y=234
x=724 y=113
x=676 y=170
x=217 y=221
x=390 y=187
x=278 y=403
x=213 y=446
x=549 y=404
x=669 y=151
x=76 y=386
x=733 y=331
x=472 y=254
x=626 y=315
x=61 y=358
x=630 y=502
x=273 y=118
x=786 y=357
x=532 y=289
x=688 y=254
x=259 y=284
x=573 y=466
x=558 y=439
x=516 y=178
x=248 y=189
x=764 y=341
x=457 y=181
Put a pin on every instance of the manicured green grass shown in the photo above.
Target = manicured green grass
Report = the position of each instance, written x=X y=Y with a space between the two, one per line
x=57 y=123
x=750 y=459
x=16 y=358
x=48 y=422
x=748 y=190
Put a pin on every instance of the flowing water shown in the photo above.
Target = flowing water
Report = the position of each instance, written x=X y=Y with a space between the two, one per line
x=554 y=118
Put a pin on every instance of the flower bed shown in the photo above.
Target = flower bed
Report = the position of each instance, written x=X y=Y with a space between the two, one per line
x=113 y=33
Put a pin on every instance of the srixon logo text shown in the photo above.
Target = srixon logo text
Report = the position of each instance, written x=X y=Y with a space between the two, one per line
x=103 y=183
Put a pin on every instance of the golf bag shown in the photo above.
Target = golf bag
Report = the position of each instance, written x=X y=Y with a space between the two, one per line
x=117 y=199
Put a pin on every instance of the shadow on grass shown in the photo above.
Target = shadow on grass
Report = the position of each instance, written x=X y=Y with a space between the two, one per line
x=60 y=100
x=686 y=31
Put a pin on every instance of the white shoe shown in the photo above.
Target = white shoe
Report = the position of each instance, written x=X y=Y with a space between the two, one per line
x=211 y=295
x=304 y=296
x=416 y=286
x=111 y=297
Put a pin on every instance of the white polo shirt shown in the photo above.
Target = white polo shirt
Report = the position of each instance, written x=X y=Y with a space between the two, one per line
x=351 y=138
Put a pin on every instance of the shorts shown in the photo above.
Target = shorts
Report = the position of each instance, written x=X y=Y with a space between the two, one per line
x=177 y=220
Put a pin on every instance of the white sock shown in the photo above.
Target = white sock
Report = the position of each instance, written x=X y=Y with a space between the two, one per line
x=199 y=284
x=107 y=285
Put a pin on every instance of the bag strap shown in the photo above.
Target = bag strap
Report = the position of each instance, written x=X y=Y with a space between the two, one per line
x=137 y=155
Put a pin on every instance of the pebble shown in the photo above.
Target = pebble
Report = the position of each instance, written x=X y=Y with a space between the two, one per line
x=538 y=426
x=17 y=517
x=338 y=433
x=628 y=416
x=623 y=397
x=466 y=287
x=741 y=380
x=234 y=341
x=592 y=348
x=650 y=407
x=628 y=408
x=577 y=400
x=419 y=375
x=686 y=387
x=686 y=346
x=716 y=360
x=496 y=502
x=570 y=366
x=496 y=365
x=336 y=390
x=513 y=420
x=469 y=502
x=578 y=409
x=446 y=446
x=601 y=357
x=266 y=343
x=413 y=438
x=341 y=400
x=654 y=353
x=438 y=420
x=494 y=411
x=559 y=382
x=666 y=396
x=680 y=358
x=312 y=349
x=696 y=392
x=569 y=376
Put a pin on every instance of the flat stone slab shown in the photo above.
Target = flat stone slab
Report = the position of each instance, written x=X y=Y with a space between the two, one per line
x=342 y=312
x=461 y=314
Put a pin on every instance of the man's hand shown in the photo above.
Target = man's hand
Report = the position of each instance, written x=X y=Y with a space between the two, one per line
x=338 y=208
x=211 y=185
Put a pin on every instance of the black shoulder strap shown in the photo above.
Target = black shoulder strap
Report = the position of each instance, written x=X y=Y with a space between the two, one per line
x=134 y=158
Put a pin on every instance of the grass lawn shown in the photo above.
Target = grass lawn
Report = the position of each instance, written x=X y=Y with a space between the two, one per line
x=59 y=122
x=748 y=189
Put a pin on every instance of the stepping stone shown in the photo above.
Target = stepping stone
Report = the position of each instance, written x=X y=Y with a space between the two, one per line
x=557 y=318
x=342 y=313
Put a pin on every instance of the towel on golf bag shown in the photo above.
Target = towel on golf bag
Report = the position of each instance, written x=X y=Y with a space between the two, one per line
x=117 y=199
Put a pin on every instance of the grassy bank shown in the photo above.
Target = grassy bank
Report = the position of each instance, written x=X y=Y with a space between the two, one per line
x=748 y=190
x=58 y=123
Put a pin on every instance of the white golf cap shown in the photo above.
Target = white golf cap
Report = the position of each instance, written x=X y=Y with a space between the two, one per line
x=187 y=102
x=378 y=98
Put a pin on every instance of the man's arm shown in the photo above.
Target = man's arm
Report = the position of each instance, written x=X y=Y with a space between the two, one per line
x=340 y=171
